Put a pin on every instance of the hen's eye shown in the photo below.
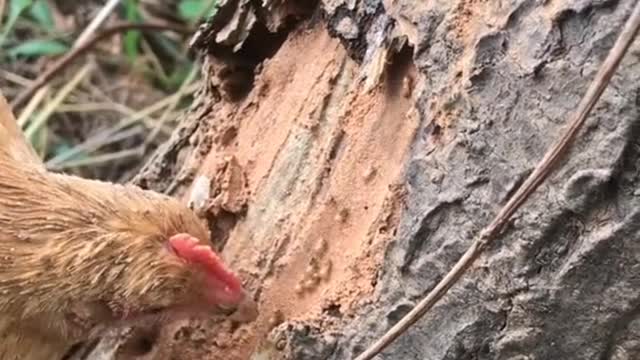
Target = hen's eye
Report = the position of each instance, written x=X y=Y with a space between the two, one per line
x=227 y=310
x=155 y=310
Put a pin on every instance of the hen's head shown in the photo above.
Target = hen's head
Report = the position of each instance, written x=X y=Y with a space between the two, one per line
x=126 y=254
x=173 y=270
x=221 y=286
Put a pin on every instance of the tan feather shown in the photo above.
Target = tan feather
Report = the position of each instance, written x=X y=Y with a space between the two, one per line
x=13 y=140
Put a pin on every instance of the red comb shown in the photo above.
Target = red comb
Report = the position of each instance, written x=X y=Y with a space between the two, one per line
x=189 y=248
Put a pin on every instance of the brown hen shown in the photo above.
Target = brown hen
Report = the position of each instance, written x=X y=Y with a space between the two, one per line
x=78 y=256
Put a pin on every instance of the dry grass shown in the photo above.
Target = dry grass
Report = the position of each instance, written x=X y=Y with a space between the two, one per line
x=101 y=116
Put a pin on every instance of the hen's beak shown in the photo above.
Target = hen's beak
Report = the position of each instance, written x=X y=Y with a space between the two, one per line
x=246 y=311
x=243 y=312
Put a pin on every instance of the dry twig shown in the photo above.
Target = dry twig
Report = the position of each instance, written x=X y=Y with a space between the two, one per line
x=539 y=174
x=15 y=78
x=98 y=20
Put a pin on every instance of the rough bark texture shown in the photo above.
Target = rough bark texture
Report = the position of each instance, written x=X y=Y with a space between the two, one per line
x=376 y=138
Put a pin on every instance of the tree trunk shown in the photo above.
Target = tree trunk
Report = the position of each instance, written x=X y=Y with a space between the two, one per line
x=355 y=148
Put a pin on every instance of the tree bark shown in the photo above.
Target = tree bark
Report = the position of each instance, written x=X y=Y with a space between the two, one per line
x=354 y=149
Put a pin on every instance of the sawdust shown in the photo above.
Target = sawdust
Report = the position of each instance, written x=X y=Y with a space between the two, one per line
x=319 y=160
